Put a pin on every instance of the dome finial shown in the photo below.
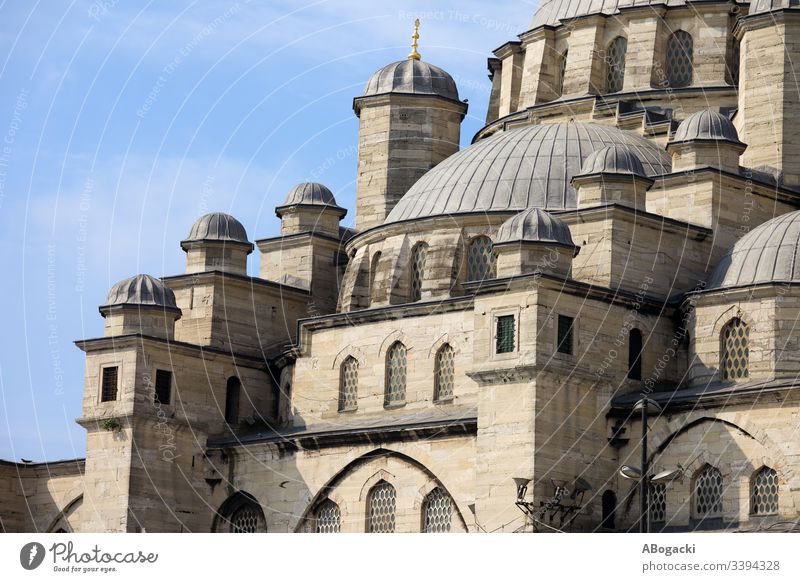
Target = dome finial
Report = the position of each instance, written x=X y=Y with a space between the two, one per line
x=414 y=46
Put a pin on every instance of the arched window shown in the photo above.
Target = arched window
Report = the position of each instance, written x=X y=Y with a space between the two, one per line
x=635 y=354
x=232 y=400
x=615 y=64
x=658 y=502
x=609 y=503
x=443 y=373
x=680 y=53
x=764 y=492
x=418 y=257
x=395 y=375
x=735 y=350
x=373 y=271
x=437 y=511
x=733 y=66
x=241 y=513
x=381 y=504
x=708 y=493
x=562 y=73
x=348 y=384
x=480 y=259
x=327 y=517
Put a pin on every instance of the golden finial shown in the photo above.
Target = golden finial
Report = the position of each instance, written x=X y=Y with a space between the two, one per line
x=414 y=54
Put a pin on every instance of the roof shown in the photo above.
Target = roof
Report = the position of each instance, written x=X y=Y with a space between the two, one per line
x=760 y=6
x=217 y=226
x=615 y=159
x=770 y=252
x=706 y=125
x=412 y=77
x=529 y=167
x=141 y=290
x=551 y=12
x=310 y=193
x=534 y=225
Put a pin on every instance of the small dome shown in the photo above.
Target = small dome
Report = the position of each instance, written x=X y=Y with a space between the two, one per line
x=706 y=125
x=412 y=76
x=310 y=193
x=535 y=226
x=615 y=159
x=761 y=6
x=768 y=253
x=218 y=226
x=141 y=290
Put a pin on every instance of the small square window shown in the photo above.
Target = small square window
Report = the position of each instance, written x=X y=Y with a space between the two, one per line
x=108 y=390
x=506 y=329
x=565 y=326
x=163 y=386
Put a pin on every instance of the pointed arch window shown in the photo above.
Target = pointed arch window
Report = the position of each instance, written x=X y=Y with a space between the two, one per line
x=764 y=492
x=615 y=64
x=373 y=271
x=708 y=493
x=562 y=73
x=480 y=259
x=327 y=517
x=395 y=375
x=232 y=391
x=680 y=55
x=419 y=256
x=348 y=385
x=635 y=354
x=241 y=513
x=438 y=512
x=444 y=373
x=381 y=504
x=735 y=350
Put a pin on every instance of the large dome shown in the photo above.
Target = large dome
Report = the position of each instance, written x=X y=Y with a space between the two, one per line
x=530 y=167
x=768 y=253
x=551 y=12
x=412 y=76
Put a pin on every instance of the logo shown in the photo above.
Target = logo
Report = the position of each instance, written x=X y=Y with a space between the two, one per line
x=31 y=555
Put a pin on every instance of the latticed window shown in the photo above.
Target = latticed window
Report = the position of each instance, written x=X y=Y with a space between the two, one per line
x=438 y=511
x=396 y=374
x=348 y=384
x=733 y=67
x=480 y=259
x=764 y=494
x=328 y=517
x=247 y=519
x=658 y=502
x=615 y=64
x=443 y=373
x=735 y=340
x=562 y=73
x=506 y=334
x=680 y=52
x=708 y=493
x=108 y=390
x=381 y=508
x=418 y=257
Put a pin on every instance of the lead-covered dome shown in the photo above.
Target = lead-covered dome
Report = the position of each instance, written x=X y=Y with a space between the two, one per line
x=534 y=226
x=310 y=194
x=414 y=77
x=217 y=226
x=706 y=125
x=530 y=167
x=551 y=12
x=616 y=159
x=141 y=290
x=768 y=253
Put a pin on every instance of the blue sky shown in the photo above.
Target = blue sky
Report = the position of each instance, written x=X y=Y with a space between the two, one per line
x=122 y=122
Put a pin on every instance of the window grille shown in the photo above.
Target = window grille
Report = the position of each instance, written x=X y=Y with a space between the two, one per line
x=562 y=73
x=382 y=502
x=658 y=502
x=735 y=63
x=708 y=493
x=348 y=384
x=480 y=259
x=506 y=334
x=438 y=512
x=615 y=63
x=109 y=384
x=396 y=374
x=163 y=386
x=680 y=52
x=565 y=333
x=232 y=400
x=328 y=517
x=734 y=363
x=418 y=257
x=764 y=494
x=635 y=354
x=247 y=519
x=444 y=373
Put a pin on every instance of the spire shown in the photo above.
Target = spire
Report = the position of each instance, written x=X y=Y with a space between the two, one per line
x=414 y=54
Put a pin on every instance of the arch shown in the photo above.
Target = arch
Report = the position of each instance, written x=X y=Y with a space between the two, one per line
x=381 y=508
x=225 y=518
x=397 y=335
x=615 y=64
x=233 y=390
x=734 y=350
x=444 y=373
x=419 y=256
x=481 y=263
x=349 y=352
x=60 y=523
x=396 y=375
x=348 y=384
x=635 y=348
x=680 y=59
x=609 y=506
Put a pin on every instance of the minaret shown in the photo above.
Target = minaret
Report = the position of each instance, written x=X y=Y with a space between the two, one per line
x=410 y=120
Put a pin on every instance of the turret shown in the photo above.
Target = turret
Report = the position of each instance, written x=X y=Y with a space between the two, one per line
x=612 y=175
x=217 y=242
x=140 y=305
x=706 y=139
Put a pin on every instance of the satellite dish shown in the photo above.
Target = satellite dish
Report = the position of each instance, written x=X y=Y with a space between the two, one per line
x=629 y=472
x=667 y=476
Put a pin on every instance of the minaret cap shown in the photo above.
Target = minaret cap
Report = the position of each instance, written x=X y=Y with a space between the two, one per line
x=414 y=46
